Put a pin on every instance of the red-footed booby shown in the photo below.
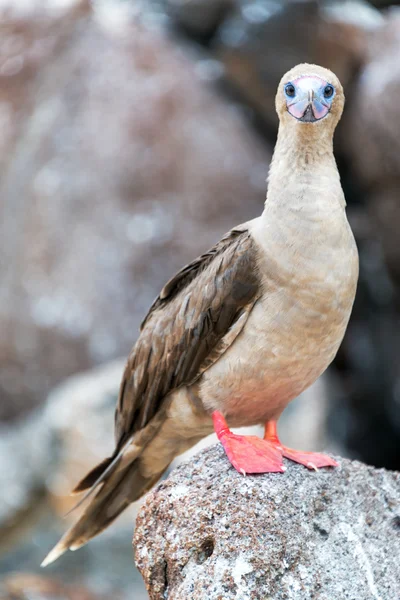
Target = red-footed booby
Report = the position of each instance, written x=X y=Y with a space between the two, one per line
x=246 y=327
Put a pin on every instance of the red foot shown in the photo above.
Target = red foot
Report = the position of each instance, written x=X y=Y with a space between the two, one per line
x=311 y=460
x=248 y=454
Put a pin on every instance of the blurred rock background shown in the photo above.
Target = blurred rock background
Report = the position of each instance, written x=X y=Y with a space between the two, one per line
x=133 y=134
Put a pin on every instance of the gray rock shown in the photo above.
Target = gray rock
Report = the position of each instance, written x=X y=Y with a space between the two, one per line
x=209 y=533
x=44 y=455
x=41 y=459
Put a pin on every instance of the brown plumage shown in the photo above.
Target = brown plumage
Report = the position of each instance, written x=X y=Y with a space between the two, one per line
x=184 y=331
x=246 y=327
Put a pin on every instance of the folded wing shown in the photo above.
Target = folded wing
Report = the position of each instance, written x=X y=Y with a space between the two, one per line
x=196 y=317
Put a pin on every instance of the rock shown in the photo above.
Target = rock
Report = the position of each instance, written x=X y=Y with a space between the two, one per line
x=44 y=456
x=41 y=458
x=117 y=165
x=79 y=414
x=210 y=533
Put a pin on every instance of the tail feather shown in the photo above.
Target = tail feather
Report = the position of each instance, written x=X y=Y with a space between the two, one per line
x=94 y=519
x=121 y=479
x=104 y=473
x=92 y=477
x=123 y=485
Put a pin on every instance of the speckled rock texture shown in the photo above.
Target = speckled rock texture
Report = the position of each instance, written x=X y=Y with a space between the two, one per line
x=209 y=533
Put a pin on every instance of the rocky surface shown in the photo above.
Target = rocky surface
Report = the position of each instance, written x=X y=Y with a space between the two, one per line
x=45 y=455
x=209 y=533
x=41 y=459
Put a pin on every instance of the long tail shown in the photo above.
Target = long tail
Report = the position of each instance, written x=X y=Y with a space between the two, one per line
x=129 y=474
x=118 y=482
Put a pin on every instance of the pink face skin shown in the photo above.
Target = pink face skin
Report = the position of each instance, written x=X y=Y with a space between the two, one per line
x=309 y=91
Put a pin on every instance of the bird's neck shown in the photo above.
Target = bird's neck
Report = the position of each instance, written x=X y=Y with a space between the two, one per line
x=303 y=174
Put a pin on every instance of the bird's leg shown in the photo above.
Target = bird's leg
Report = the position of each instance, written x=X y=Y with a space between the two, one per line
x=247 y=453
x=311 y=460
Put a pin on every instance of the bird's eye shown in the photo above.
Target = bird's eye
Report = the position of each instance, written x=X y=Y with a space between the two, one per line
x=289 y=90
x=328 y=91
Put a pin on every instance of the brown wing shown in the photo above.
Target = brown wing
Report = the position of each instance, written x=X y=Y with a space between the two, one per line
x=196 y=317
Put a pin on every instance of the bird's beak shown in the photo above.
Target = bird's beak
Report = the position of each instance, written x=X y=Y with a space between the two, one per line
x=309 y=104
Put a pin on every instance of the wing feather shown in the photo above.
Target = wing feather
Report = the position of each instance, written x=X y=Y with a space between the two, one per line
x=196 y=317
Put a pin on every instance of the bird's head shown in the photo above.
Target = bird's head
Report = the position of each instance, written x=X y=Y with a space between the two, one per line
x=310 y=96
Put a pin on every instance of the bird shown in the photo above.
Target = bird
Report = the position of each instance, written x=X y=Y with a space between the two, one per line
x=242 y=330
